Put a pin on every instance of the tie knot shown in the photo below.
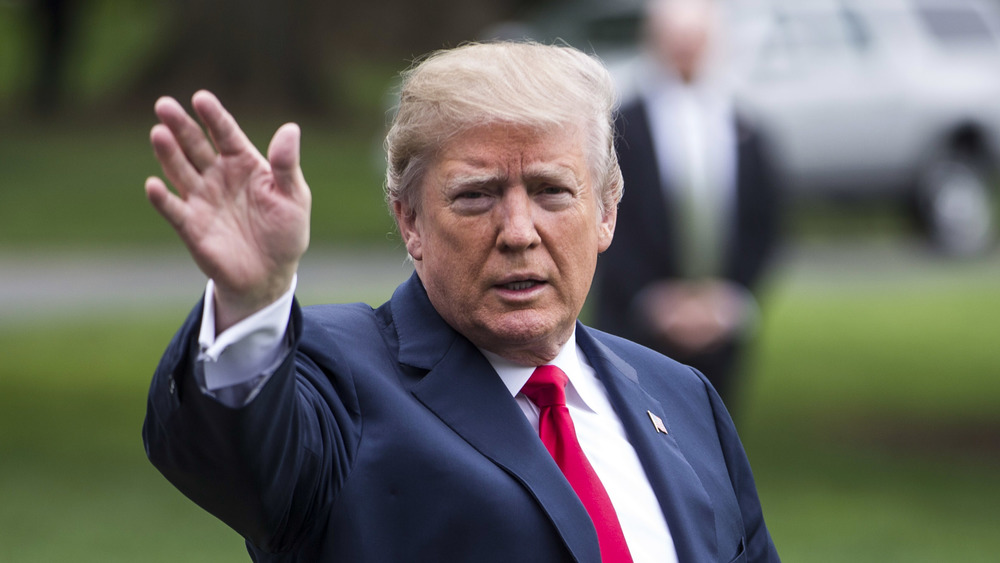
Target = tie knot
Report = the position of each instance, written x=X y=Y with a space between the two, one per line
x=546 y=387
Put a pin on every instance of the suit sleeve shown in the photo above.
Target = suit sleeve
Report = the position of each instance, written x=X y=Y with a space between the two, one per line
x=267 y=469
x=759 y=545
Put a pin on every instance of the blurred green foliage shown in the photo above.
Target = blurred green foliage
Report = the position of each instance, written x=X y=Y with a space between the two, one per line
x=110 y=40
x=75 y=178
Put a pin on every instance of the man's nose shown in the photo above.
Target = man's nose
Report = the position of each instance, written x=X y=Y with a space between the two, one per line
x=517 y=221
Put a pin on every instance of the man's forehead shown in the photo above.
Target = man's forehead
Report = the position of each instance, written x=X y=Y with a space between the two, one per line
x=501 y=150
x=507 y=134
x=493 y=168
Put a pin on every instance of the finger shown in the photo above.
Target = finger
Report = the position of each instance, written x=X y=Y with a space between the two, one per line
x=284 y=155
x=176 y=167
x=186 y=130
x=225 y=132
x=171 y=207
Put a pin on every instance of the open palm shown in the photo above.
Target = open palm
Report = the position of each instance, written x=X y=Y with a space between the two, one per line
x=243 y=217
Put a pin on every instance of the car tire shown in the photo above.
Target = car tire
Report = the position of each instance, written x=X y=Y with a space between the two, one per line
x=955 y=206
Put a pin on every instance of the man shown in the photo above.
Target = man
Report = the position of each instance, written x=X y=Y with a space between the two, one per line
x=422 y=430
x=700 y=222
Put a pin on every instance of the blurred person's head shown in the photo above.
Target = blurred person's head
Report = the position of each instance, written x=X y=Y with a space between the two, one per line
x=680 y=35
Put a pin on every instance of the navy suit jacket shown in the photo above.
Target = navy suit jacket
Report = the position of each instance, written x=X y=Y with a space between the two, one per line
x=387 y=436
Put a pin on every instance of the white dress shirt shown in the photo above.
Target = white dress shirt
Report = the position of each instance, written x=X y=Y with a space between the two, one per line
x=237 y=363
x=694 y=139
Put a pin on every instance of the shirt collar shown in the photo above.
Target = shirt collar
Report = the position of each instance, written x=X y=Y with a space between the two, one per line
x=582 y=378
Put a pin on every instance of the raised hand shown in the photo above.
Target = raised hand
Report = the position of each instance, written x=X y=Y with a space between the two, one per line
x=244 y=218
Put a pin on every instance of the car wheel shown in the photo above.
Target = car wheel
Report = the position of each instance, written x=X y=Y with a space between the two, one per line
x=956 y=207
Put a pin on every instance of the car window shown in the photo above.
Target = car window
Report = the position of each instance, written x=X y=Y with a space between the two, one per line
x=956 y=25
x=803 y=38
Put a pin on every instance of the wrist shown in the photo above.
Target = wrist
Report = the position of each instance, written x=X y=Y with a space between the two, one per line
x=232 y=306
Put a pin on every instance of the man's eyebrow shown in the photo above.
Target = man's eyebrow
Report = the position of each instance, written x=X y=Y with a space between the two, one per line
x=471 y=179
x=552 y=171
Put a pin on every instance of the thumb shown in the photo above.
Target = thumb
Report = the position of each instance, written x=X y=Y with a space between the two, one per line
x=283 y=154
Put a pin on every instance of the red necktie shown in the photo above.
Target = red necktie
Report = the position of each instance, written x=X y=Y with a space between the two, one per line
x=547 y=389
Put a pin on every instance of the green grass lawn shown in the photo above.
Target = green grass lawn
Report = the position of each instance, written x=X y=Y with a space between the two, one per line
x=872 y=424
x=74 y=481
x=78 y=187
x=874 y=421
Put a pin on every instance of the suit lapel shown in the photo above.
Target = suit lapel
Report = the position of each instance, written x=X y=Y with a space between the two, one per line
x=682 y=497
x=462 y=389
x=647 y=178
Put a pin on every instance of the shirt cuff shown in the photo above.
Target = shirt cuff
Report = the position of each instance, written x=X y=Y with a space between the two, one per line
x=251 y=348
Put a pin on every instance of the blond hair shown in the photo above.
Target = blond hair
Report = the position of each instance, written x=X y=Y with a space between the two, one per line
x=519 y=83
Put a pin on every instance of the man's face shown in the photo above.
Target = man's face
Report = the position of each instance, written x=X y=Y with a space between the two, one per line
x=681 y=36
x=507 y=236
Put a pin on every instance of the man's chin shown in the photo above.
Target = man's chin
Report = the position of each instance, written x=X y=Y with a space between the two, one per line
x=522 y=332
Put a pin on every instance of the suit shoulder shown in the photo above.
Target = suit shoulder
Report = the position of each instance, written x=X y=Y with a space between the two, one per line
x=343 y=311
x=639 y=355
x=342 y=321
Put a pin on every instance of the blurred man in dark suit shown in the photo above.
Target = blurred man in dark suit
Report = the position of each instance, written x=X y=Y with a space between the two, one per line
x=700 y=217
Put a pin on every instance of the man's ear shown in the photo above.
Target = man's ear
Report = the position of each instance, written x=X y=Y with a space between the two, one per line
x=406 y=222
x=606 y=228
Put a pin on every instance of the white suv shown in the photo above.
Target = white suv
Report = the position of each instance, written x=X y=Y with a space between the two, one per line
x=880 y=98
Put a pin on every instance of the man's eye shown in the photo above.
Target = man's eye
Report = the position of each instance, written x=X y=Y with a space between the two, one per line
x=470 y=202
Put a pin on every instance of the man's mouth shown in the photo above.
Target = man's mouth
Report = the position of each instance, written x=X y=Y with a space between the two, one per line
x=520 y=285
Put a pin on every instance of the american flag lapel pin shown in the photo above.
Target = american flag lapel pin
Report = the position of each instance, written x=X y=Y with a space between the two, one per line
x=657 y=422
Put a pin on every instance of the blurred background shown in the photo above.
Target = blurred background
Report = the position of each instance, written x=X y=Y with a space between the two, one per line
x=870 y=406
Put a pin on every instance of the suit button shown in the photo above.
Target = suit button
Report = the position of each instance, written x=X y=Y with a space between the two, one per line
x=171 y=385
